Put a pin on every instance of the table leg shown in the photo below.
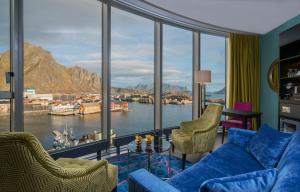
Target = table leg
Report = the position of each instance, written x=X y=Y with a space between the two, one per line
x=118 y=150
x=149 y=162
x=167 y=137
x=170 y=166
x=128 y=161
x=258 y=121
x=245 y=123
x=99 y=155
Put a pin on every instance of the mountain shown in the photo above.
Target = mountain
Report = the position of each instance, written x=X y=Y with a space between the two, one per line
x=173 y=88
x=166 y=88
x=222 y=91
x=45 y=75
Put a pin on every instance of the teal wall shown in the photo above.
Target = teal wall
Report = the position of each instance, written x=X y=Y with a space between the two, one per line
x=269 y=51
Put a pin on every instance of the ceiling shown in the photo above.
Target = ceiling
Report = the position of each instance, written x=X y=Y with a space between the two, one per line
x=255 y=16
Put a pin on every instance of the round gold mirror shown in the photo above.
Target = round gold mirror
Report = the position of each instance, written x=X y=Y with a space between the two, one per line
x=273 y=75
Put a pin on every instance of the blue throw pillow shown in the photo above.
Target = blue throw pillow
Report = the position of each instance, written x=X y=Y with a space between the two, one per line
x=262 y=181
x=268 y=145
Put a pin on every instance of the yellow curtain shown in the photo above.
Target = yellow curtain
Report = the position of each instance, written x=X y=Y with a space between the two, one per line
x=244 y=70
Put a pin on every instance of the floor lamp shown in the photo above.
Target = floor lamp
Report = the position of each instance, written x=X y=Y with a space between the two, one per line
x=202 y=77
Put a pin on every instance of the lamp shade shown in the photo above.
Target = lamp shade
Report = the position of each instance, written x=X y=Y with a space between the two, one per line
x=203 y=76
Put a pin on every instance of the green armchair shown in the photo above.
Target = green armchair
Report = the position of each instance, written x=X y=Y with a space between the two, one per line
x=26 y=166
x=198 y=136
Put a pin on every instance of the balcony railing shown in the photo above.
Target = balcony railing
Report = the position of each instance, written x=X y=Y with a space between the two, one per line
x=94 y=150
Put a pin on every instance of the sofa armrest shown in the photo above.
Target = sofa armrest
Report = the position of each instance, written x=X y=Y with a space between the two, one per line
x=143 y=181
x=240 y=137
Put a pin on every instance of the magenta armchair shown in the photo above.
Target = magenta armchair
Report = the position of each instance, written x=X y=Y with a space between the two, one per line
x=236 y=122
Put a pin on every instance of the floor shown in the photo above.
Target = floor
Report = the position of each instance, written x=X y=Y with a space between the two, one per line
x=160 y=164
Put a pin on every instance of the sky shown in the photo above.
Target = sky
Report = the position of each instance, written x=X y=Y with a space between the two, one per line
x=71 y=31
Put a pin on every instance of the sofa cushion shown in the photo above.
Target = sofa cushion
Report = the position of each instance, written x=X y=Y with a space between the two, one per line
x=228 y=160
x=240 y=137
x=262 y=181
x=289 y=167
x=268 y=145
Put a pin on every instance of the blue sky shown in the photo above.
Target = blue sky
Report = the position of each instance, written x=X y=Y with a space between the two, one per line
x=71 y=31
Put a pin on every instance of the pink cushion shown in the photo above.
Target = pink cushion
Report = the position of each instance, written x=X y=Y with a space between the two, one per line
x=233 y=123
x=243 y=106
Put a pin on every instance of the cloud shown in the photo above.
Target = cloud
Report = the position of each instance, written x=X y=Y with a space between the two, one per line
x=71 y=31
x=131 y=50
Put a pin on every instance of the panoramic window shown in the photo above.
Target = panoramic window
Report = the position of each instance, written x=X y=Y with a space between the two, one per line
x=62 y=71
x=213 y=58
x=4 y=63
x=132 y=73
x=177 y=75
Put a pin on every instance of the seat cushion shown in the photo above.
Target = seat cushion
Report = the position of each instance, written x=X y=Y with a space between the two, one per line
x=262 y=181
x=182 y=141
x=234 y=123
x=267 y=146
x=231 y=159
x=228 y=160
x=191 y=179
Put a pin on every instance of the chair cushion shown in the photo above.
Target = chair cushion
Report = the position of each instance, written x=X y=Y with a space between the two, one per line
x=183 y=141
x=267 y=146
x=221 y=163
x=262 y=181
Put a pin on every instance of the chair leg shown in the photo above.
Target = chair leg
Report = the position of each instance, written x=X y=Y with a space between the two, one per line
x=115 y=189
x=173 y=147
x=183 y=161
x=223 y=135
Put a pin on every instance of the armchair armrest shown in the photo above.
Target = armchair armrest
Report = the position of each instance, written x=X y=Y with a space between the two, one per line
x=240 y=137
x=189 y=125
x=73 y=168
x=143 y=181
x=203 y=129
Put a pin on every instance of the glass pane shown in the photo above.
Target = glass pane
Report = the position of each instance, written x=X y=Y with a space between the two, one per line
x=4 y=63
x=213 y=58
x=177 y=75
x=132 y=76
x=62 y=72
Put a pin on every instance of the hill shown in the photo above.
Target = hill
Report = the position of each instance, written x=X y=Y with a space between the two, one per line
x=43 y=73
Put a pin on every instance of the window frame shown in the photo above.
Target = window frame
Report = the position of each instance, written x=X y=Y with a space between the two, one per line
x=168 y=18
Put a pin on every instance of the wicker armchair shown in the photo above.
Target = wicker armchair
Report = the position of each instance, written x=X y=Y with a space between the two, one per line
x=198 y=136
x=26 y=166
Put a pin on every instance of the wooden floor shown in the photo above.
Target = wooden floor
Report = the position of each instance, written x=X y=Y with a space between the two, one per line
x=196 y=157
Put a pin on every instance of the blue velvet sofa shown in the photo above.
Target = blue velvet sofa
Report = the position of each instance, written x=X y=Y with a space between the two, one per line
x=229 y=160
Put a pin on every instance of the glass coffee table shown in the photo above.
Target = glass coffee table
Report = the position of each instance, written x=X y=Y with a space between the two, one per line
x=161 y=146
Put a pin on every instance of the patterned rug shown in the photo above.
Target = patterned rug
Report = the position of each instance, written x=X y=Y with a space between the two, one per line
x=159 y=166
